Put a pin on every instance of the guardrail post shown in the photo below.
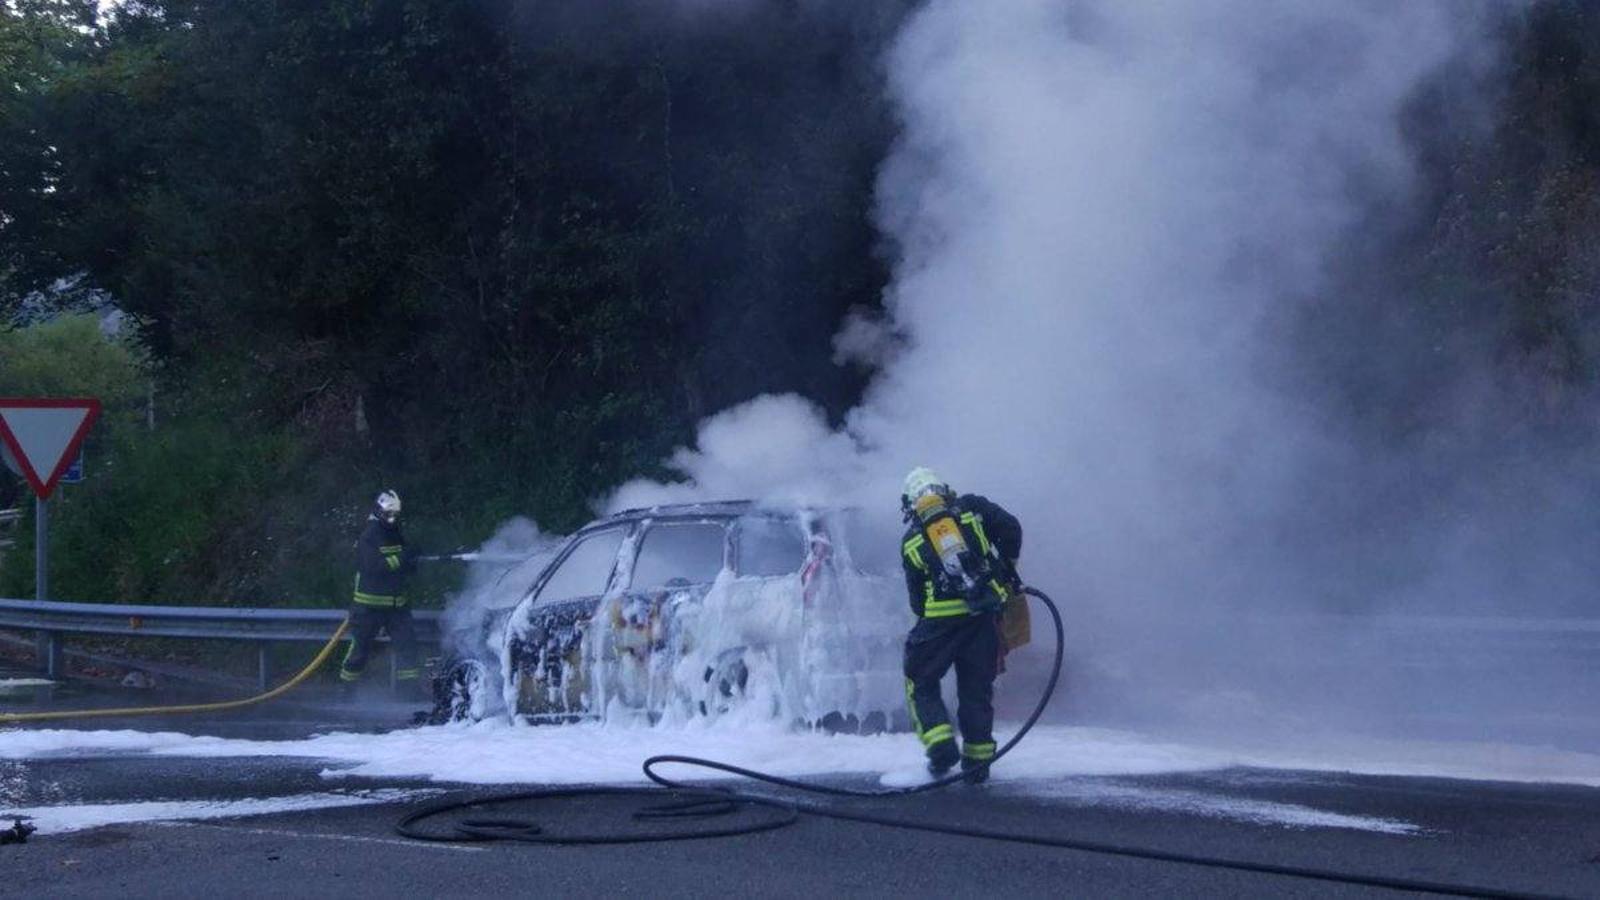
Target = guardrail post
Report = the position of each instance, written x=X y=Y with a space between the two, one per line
x=263 y=666
x=48 y=652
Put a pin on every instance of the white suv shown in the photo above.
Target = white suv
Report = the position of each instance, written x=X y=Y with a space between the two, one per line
x=696 y=610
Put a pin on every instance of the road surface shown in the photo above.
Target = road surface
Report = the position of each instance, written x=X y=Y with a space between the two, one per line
x=275 y=826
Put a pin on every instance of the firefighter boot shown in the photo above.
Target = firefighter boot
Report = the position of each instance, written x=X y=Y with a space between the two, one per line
x=976 y=771
x=941 y=757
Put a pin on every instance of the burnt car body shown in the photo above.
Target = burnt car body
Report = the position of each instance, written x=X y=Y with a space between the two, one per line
x=705 y=610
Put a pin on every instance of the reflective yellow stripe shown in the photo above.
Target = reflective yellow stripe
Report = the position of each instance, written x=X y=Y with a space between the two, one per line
x=972 y=520
x=406 y=674
x=937 y=734
x=975 y=522
x=911 y=704
x=978 y=751
x=942 y=609
x=378 y=600
x=392 y=561
x=912 y=551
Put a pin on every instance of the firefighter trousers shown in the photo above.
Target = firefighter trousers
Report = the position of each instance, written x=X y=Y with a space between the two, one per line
x=365 y=623
x=972 y=645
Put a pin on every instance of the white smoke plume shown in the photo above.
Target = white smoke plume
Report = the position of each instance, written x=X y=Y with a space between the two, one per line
x=1096 y=210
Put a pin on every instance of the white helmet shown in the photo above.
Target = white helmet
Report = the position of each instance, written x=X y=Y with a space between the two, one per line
x=923 y=488
x=387 y=507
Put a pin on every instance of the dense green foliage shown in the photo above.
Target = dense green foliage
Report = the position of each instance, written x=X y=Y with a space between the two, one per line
x=500 y=256
x=503 y=255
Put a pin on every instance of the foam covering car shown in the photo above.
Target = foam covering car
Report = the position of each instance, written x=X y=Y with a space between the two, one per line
x=702 y=610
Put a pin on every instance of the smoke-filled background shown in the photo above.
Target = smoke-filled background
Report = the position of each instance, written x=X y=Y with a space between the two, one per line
x=1137 y=249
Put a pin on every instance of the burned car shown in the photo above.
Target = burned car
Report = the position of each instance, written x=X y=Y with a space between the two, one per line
x=700 y=610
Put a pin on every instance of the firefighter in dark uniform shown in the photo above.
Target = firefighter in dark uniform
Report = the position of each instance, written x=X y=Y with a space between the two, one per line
x=382 y=563
x=959 y=556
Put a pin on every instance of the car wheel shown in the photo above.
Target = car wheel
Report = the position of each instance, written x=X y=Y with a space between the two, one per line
x=725 y=682
x=461 y=692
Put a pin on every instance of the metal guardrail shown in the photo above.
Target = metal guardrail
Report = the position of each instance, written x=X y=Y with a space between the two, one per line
x=223 y=623
x=263 y=625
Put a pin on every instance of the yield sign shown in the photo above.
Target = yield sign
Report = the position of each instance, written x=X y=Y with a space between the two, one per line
x=41 y=436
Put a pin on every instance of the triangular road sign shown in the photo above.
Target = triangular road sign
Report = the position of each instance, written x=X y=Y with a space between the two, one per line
x=42 y=436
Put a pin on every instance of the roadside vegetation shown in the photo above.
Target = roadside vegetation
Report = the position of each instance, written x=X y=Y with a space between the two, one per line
x=498 y=256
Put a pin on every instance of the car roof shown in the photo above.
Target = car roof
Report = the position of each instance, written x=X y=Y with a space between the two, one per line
x=665 y=510
x=721 y=509
x=715 y=509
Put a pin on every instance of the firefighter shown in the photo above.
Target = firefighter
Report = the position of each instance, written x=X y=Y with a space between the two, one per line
x=382 y=563
x=959 y=555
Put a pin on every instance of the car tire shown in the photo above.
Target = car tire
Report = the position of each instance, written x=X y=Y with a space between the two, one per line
x=460 y=692
x=725 y=682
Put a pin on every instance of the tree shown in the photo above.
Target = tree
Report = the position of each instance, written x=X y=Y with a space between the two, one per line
x=41 y=41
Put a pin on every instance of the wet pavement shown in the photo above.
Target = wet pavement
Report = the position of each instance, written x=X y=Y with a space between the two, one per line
x=1518 y=838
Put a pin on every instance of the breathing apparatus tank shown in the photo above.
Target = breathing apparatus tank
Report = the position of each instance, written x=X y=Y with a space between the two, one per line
x=944 y=533
x=967 y=570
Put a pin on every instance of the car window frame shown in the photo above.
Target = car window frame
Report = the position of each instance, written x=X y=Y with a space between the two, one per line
x=802 y=540
x=625 y=529
x=643 y=534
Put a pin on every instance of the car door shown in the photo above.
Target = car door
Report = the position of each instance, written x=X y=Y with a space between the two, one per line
x=674 y=564
x=550 y=669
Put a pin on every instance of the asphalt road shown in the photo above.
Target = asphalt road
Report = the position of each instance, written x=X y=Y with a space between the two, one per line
x=1529 y=839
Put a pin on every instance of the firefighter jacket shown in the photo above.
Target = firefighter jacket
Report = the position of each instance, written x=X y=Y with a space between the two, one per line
x=988 y=530
x=382 y=563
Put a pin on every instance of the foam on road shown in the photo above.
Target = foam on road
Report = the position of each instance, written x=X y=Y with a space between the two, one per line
x=64 y=818
x=496 y=752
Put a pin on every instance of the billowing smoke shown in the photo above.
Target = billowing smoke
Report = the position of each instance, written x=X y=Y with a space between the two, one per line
x=1099 y=213
x=503 y=570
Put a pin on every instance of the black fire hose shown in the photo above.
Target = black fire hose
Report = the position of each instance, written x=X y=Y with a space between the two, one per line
x=691 y=803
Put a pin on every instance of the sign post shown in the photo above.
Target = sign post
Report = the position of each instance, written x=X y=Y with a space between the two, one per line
x=39 y=439
x=41 y=549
